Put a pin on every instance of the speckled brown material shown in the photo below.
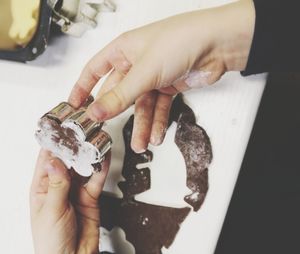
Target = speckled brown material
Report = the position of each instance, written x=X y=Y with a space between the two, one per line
x=195 y=147
x=147 y=227
x=137 y=180
x=65 y=136
x=151 y=227
x=74 y=138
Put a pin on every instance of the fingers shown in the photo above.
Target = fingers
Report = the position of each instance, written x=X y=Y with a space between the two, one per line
x=161 y=118
x=40 y=173
x=213 y=76
x=119 y=61
x=112 y=80
x=39 y=185
x=204 y=75
x=95 y=184
x=95 y=69
x=150 y=120
x=143 y=116
x=121 y=67
x=58 y=187
x=134 y=84
x=180 y=86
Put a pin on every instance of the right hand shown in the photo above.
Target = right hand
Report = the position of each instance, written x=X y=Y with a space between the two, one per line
x=149 y=65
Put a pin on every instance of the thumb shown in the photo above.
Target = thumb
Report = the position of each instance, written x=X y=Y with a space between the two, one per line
x=136 y=82
x=58 y=187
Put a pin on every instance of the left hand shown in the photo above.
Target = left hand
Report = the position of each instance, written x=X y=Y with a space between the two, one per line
x=64 y=213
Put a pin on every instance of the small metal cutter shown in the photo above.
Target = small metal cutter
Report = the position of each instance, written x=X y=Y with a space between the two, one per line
x=74 y=138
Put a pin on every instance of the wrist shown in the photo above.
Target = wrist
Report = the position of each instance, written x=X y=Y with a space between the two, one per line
x=235 y=33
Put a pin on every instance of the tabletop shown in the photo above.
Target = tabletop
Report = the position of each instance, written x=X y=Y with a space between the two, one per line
x=226 y=111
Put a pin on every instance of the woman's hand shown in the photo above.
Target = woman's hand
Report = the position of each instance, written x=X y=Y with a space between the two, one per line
x=149 y=65
x=64 y=213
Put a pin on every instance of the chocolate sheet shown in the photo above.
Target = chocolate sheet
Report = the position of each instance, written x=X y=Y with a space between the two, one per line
x=194 y=144
x=151 y=227
x=147 y=227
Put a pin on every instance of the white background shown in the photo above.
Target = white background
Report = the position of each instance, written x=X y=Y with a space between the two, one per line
x=226 y=111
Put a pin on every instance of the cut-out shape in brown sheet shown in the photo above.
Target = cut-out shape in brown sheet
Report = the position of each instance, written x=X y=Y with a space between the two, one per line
x=150 y=227
x=194 y=144
x=136 y=180
x=147 y=227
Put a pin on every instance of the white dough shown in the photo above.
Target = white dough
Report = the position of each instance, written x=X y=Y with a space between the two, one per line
x=81 y=162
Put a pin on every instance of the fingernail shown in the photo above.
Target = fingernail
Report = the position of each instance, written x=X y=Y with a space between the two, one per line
x=50 y=168
x=141 y=150
x=77 y=96
x=97 y=112
x=157 y=136
x=155 y=140
x=54 y=166
x=137 y=149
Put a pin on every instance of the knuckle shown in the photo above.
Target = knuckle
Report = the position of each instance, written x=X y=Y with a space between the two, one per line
x=145 y=102
x=118 y=98
x=92 y=73
x=58 y=184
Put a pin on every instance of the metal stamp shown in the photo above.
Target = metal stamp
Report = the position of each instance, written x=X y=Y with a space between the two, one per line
x=102 y=141
x=60 y=112
x=80 y=119
x=74 y=138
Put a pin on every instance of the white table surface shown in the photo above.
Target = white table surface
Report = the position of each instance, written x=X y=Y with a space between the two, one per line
x=226 y=110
